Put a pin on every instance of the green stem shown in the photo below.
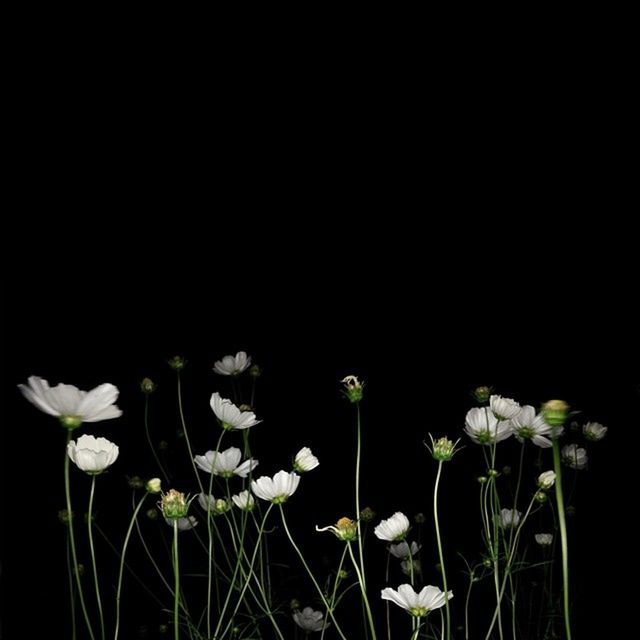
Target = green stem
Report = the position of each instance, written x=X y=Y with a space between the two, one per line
x=186 y=433
x=72 y=595
x=72 y=540
x=93 y=556
x=364 y=593
x=335 y=589
x=147 y=432
x=121 y=572
x=440 y=553
x=176 y=571
x=358 y=453
x=563 y=536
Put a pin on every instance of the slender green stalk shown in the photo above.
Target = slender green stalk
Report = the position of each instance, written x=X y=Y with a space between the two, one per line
x=563 y=536
x=335 y=589
x=72 y=595
x=72 y=540
x=148 y=434
x=93 y=556
x=440 y=553
x=386 y=602
x=358 y=455
x=176 y=571
x=186 y=433
x=121 y=572
x=372 y=627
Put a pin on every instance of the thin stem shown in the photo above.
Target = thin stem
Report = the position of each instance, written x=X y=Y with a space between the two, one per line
x=148 y=433
x=386 y=602
x=335 y=589
x=364 y=593
x=186 y=433
x=72 y=540
x=121 y=572
x=440 y=553
x=176 y=571
x=93 y=556
x=358 y=453
x=72 y=595
x=563 y=536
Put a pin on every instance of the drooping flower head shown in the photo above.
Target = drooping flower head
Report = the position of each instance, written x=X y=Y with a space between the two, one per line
x=394 y=528
x=233 y=365
x=345 y=529
x=277 y=489
x=529 y=426
x=71 y=405
x=417 y=604
x=305 y=460
x=91 y=454
x=574 y=456
x=594 y=431
x=226 y=463
x=230 y=416
x=309 y=620
x=544 y=539
x=484 y=428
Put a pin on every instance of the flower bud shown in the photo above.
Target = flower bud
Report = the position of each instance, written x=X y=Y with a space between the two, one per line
x=506 y=470
x=492 y=473
x=353 y=388
x=346 y=529
x=154 y=485
x=294 y=604
x=70 y=422
x=152 y=514
x=482 y=394
x=135 y=482
x=481 y=479
x=342 y=574
x=367 y=514
x=177 y=363
x=420 y=518
x=546 y=480
x=65 y=516
x=443 y=449
x=555 y=412
x=147 y=386
x=540 y=496
x=255 y=371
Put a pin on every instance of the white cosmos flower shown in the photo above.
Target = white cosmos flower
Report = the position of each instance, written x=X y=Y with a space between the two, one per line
x=504 y=408
x=483 y=427
x=529 y=426
x=70 y=404
x=393 y=528
x=92 y=455
x=544 y=539
x=574 y=456
x=510 y=518
x=305 y=460
x=309 y=620
x=230 y=416
x=547 y=479
x=417 y=604
x=402 y=550
x=244 y=500
x=233 y=365
x=184 y=524
x=226 y=463
x=594 y=431
x=277 y=489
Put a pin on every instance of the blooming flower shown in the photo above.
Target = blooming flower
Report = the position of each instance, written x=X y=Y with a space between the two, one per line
x=277 y=489
x=230 y=416
x=529 y=426
x=483 y=427
x=244 y=500
x=403 y=551
x=393 y=528
x=594 y=431
x=70 y=404
x=510 y=518
x=184 y=524
x=233 y=365
x=544 y=539
x=305 y=460
x=226 y=464
x=92 y=455
x=345 y=529
x=504 y=408
x=574 y=456
x=417 y=604
x=309 y=620
x=546 y=480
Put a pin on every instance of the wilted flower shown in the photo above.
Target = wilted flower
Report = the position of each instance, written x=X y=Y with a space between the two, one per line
x=309 y=620
x=594 y=431
x=483 y=427
x=529 y=426
x=277 y=489
x=184 y=524
x=345 y=529
x=417 y=604
x=230 y=416
x=70 y=404
x=154 y=485
x=353 y=388
x=546 y=480
x=244 y=500
x=305 y=460
x=504 y=408
x=544 y=539
x=442 y=449
x=509 y=518
x=393 y=528
x=233 y=365
x=174 y=504
x=92 y=455
x=226 y=463
x=555 y=412
x=574 y=456
x=402 y=550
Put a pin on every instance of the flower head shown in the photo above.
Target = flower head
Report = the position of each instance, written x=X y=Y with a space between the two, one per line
x=544 y=539
x=393 y=528
x=403 y=551
x=305 y=460
x=482 y=394
x=212 y=505
x=309 y=620
x=70 y=404
x=345 y=529
x=147 y=386
x=417 y=604
x=177 y=363
x=509 y=518
x=174 y=504
x=233 y=365
x=442 y=449
x=153 y=485
x=184 y=524
x=546 y=480
x=230 y=416
x=92 y=455
x=555 y=412
x=574 y=456
x=225 y=463
x=277 y=489
x=594 y=431
x=484 y=428
x=504 y=408
x=529 y=426
x=353 y=388
x=244 y=500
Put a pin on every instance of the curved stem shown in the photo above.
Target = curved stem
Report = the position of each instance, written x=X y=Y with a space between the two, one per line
x=72 y=540
x=364 y=593
x=93 y=556
x=121 y=572
x=440 y=553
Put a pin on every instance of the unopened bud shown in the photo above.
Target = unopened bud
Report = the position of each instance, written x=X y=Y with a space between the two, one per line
x=147 y=386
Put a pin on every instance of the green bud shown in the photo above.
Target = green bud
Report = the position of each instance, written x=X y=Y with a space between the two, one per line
x=555 y=412
x=177 y=363
x=147 y=386
x=482 y=394
x=481 y=479
x=152 y=514
x=492 y=473
x=255 y=371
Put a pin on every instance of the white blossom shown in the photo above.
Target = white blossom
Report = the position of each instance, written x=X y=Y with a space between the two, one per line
x=402 y=550
x=305 y=460
x=574 y=456
x=184 y=524
x=594 y=431
x=91 y=454
x=233 y=365
x=544 y=539
x=509 y=518
x=226 y=463
x=277 y=489
x=417 y=604
x=529 y=426
x=504 y=408
x=309 y=620
x=230 y=416
x=393 y=528
x=484 y=428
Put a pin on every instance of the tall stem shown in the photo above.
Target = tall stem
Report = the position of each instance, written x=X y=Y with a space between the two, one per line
x=441 y=555
x=364 y=593
x=72 y=595
x=93 y=556
x=358 y=452
x=176 y=571
x=186 y=433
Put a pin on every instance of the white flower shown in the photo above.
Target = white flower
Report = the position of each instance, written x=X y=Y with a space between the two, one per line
x=547 y=479
x=184 y=524
x=305 y=460
x=92 y=455
x=230 y=416
x=244 y=500
x=594 y=431
x=393 y=528
x=71 y=405
x=233 y=365
x=529 y=426
x=483 y=427
x=226 y=464
x=402 y=550
x=544 y=539
x=510 y=518
x=504 y=408
x=154 y=485
x=309 y=620
x=277 y=489
x=417 y=604
x=574 y=456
